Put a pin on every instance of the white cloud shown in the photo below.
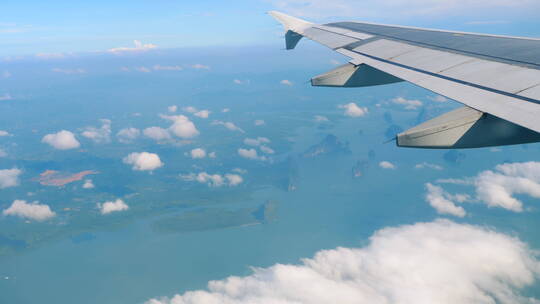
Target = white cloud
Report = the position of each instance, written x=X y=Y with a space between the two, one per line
x=158 y=67
x=441 y=201
x=199 y=66
x=320 y=118
x=438 y=262
x=256 y=141
x=6 y=74
x=259 y=122
x=202 y=114
x=139 y=46
x=182 y=127
x=157 y=133
x=88 y=184
x=69 y=71
x=128 y=135
x=214 y=180
x=198 y=153
x=267 y=150
x=250 y=154
x=407 y=103
x=226 y=110
x=99 y=135
x=353 y=110
x=4 y=133
x=143 y=161
x=5 y=97
x=189 y=109
x=498 y=187
x=229 y=125
x=239 y=170
x=234 y=179
x=9 y=178
x=112 y=206
x=428 y=166
x=387 y=165
x=286 y=82
x=3 y=153
x=51 y=55
x=172 y=109
x=63 y=140
x=212 y=155
x=142 y=69
x=33 y=211
x=240 y=82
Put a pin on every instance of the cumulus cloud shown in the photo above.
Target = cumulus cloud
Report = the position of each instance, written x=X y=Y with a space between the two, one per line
x=437 y=262
x=189 y=109
x=214 y=180
x=226 y=110
x=267 y=150
x=138 y=47
x=157 y=134
x=320 y=118
x=353 y=110
x=9 y=178
x=172 y=109
x=441 y=201
x=198 y=153
x=240 y=82
x=229 y=125
x=427 y=165
x=33 y=211
x=199 y=66
x=409 y=104
x=158 y=67
x=63 y=140
x=286 y=82
x=128 y=135
x=256 y=141
x=498 y=187
x=88 y=184
x=143 y=161
x=112 y=206
x=4 y=133
x=212 y=155
x=202 y=113
x=142 y=69
x=69 y=71
x=182 y=126
x=259 y=122
x=387 y=165
x=250 y=154
x=99 y=135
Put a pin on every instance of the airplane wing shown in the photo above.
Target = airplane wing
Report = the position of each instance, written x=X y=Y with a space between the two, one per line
x=497 y=78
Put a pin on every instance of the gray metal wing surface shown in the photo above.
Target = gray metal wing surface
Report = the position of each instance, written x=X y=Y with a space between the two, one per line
x=496 y=77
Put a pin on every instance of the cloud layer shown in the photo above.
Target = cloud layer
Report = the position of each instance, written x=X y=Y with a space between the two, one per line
x=438 y=262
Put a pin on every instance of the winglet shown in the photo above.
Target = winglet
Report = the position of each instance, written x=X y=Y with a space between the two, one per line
x=291 y=23
x=294 y=28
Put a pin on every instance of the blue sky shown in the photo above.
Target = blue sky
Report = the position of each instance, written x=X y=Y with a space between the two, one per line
x=30 y=27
